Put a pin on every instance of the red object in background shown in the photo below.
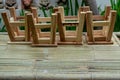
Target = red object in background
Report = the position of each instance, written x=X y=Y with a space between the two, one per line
x=26 y=4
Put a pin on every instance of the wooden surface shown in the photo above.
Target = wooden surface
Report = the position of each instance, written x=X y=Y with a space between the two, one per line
x=85 y=62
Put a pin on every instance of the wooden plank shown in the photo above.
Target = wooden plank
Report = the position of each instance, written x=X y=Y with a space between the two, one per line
x=13 y=14
x=20 y=17
x=112 y=24
x=101 y=23
x=8 y=27
x=61 y=11
x=43 y=25
x=30 y=20
x=17 y=23
x=35 y=13
x=89 y=26
x=107 y=12
x=53 y=29
x=27 y=29
x=80 y=27
x=60 y=28
x=98 y=17
x=44 y=19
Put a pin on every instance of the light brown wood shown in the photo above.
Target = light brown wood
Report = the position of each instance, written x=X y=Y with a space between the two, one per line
x=71 y=39
x=35 y=13
x=31 y=23
x=107 y=12
x=53 y=29
x=44 y=19
x=100 y=23
x=112 y=24
x=8 y=27
x=80 y=27
x=61 y=10
x=60 y=28
x=43 y=41
x=13 y=14
x=27 y=29
x=14 y=37
x=98 y=17
x=103 y=36
x=89 y=26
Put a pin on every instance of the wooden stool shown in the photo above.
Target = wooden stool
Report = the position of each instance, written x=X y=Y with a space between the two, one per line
x=43 y=41
x=14 y=17
x=106 y=22
x=70 y=37
x=14 y=37
x=39 y=20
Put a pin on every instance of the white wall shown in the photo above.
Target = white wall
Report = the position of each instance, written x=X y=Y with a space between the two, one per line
x=103 y=3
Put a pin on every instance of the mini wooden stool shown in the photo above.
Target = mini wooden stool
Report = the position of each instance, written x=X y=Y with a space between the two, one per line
x=70 y=37
x=14 y=17
x=107 y=23
x=39 y=20
x=15 y=38
x=43 y=41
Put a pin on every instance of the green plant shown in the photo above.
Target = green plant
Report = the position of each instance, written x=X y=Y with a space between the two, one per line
x=115 y=4
x=22 y=13
x=76 y=6
x=3 y=29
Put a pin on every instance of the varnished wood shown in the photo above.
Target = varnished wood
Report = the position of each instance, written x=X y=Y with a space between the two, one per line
x=43 y=41
x=71 y=39
x=35 y=13
x=112 y=24
x=103 y=36
x=89 y=26
x=13 y=14
x=8 y=27
x=60 y=28
x=13 y=35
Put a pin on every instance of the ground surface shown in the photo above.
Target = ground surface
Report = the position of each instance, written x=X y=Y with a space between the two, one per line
x=61 y=63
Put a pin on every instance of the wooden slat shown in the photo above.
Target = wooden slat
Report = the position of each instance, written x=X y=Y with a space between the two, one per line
x=44 y=40
x=70 y=23
x=13 y=14
x=44 y=25
x=53 y=29
x=60 y=28
x=27 y=29
x=112 y=24
x=20 y=17
x=8 y=27
x=101 y=23
x=89 y=26
x=33 y=29
x=80 y=27
x=98 y=17
x=107 y=12
x=44 y=19
x=35 y=13
x=61 y=11
x=17 y=23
